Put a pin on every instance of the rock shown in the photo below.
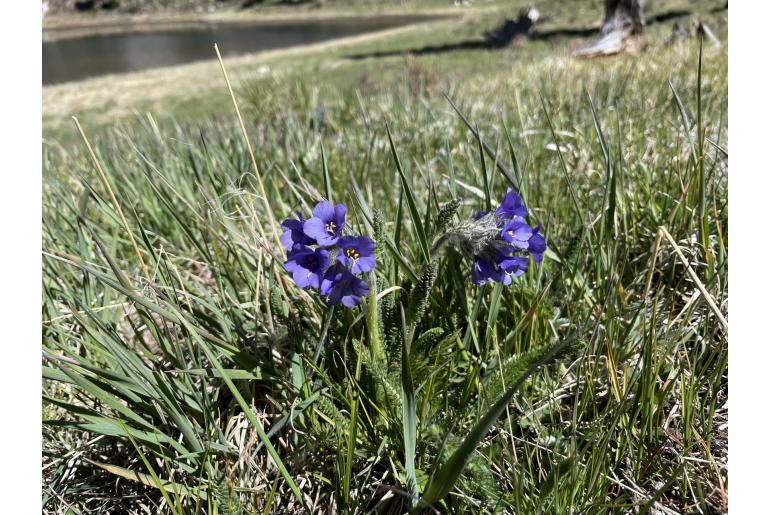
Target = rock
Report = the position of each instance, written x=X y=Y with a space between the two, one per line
x=513 y=29
x=84 y=5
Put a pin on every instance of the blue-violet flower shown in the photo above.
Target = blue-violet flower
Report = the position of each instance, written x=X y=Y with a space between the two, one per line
x=326 y=224
x=342 y=287
x=294 y=233
x=356 y=252
x=512 y=205
x=307 y=266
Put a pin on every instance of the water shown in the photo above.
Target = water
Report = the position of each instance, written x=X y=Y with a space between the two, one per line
x=75 y=59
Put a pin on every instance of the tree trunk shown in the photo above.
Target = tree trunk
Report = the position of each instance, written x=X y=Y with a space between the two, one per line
x=623 y=15
x=622 y=19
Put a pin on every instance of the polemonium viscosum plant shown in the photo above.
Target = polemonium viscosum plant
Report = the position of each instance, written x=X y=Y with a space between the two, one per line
x=323 y=256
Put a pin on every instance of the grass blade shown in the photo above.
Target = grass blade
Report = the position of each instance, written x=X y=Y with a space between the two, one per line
x=410 y=202
x=409 y=415
x=327 y=179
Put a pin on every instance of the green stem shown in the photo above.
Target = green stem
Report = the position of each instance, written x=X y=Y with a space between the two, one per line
x=371 y=320
x=354 y=396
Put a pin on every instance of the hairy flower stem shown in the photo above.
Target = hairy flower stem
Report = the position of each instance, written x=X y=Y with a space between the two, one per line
x=372 y=322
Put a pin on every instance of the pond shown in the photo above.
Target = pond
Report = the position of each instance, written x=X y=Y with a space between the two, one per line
x=72 y=59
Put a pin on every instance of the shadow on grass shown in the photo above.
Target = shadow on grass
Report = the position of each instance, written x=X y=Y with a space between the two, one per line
x=502 y=38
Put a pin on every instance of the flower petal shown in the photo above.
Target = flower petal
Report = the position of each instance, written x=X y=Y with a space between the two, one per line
x=358 y=290
x=316 y=228
x=301 y=277
x=363 y=264
x=328 y=282
x=537 y=245
x=512 y=205
x=339 y=215
x=293 y=234
x=324 y=211
x=517 y=232
x=307 y=266
x=483 y=272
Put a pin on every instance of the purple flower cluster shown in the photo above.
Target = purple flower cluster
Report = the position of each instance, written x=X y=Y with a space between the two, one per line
x=331 y=266
x=500 y=259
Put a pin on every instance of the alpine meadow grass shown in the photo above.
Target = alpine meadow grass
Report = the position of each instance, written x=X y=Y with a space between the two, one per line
x=188 y=370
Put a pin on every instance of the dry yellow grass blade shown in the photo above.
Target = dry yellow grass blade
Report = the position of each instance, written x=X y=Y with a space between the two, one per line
x=698 y=284
x=145 y=479
x=115 y=202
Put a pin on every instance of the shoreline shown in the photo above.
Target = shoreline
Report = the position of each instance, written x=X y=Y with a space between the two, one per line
x=68 y=26
x=110 y=97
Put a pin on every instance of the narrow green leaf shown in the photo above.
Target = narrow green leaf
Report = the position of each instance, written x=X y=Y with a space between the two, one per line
x=409 y=415
x=165 y=313
x=410 y=202
x=610 y=182
x=327 y=179
x=563 y=164
x=485 y=177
